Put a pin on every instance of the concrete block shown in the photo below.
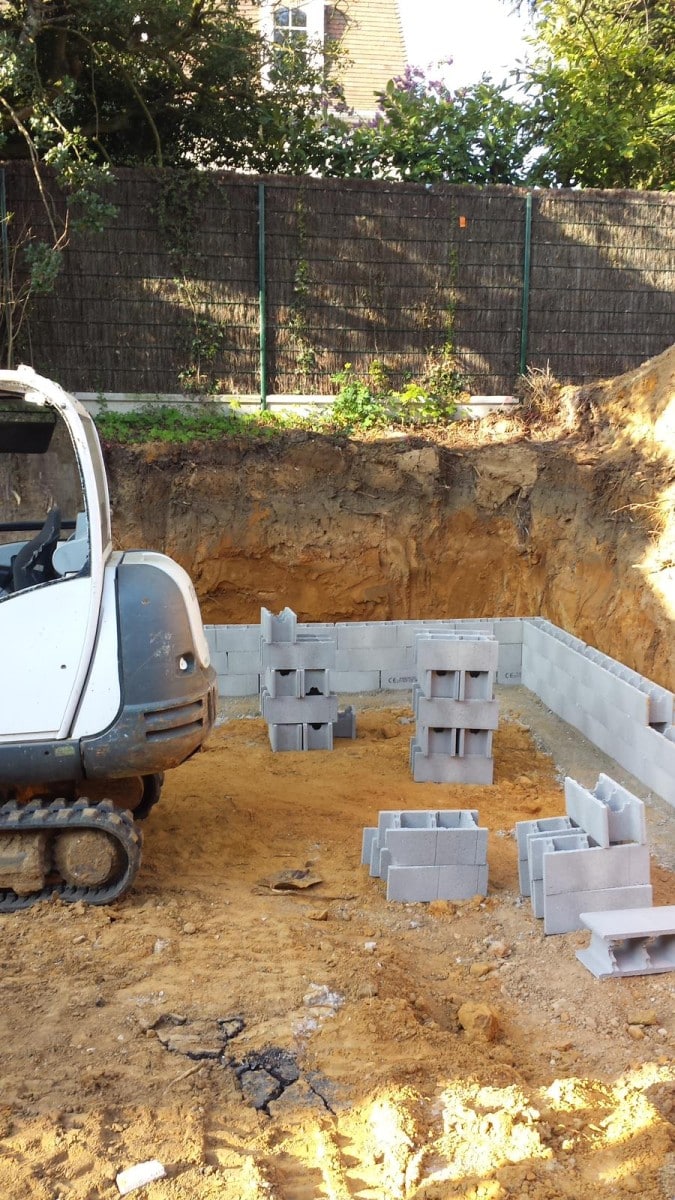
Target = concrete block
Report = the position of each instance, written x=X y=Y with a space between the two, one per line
x=366 y=635
x=412 y=847
x=220 y=664
x=288 y=710
x=316 y=682
x=539 y=844
x=543 y=825
x=563 y=912
x=477 y=685
x=438 y=768
x=307 y=652
x=279 y=627
x=394 y=659
x=282 y=683
x=436 y=740
x=475 y=743
x=345 y=726
x=461 y=847
x=510 y=663
x=317 y=736
x=369 y=836
x=637 y=941
x=627 y=821
x=440 y=684
x=398 y=681
x=508 y=630
x=462 y=882
x=456 y=652
x=384 y=862
x=349 y=682
x=455 y=714
x=238 y=685
x=285 y=737
x=656 y=749
x=524 y=885
x=386 y=819
x=410 y=884
x=238 y=637
x=594 y=868
x=317 y=629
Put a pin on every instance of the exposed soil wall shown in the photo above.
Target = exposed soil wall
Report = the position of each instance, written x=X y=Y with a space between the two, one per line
x=404 y=528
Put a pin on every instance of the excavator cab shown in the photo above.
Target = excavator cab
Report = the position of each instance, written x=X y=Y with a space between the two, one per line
x=106 y=675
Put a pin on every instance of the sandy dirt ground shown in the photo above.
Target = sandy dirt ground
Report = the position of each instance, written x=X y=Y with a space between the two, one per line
x=323 y=1044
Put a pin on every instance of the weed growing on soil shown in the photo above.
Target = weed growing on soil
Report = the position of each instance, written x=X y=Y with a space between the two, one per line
x=374 y=404
x=161 y=423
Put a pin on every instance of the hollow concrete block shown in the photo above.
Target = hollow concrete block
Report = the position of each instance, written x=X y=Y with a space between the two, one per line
x=237 y=637
x=369 y=836
x=345 y=725
x=348 y=682
x=283 y=683
x=439 y=768
x=633 y=941
x=278 y=627
x=539 y=844
x=238 y=685
x=462 y=882
x=455 y=714
x=317 y=735
x=440 y=684
x=285 y=737
x=288 y=710
x=458 y=652
x=412 y=847
x=545 y=825
x=307 y=651
x=596 y=867
x=562 y=913
x=315 y=682
x=410 y=884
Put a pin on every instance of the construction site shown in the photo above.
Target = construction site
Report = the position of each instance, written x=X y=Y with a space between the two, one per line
x=253 y=1013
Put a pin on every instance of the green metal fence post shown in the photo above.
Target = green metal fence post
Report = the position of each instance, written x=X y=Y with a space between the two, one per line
x=262 y=296
x=527 y=262
x=4 y=252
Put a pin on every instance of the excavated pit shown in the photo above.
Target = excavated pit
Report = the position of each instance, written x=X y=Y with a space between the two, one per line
x=569 y=519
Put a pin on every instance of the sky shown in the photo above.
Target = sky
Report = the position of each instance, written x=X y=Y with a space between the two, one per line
x=479 y=35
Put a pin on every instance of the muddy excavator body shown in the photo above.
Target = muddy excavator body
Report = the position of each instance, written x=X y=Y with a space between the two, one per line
x=106 y=678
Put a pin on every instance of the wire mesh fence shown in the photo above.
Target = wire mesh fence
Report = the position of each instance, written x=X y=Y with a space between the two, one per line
x=222 y=283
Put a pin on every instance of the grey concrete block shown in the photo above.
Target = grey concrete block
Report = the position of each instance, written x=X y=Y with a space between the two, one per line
x=656 y=749
x=366 y=635
x=637 y=941
x=462 y=882
x=510 y=663
x=288 y=710
x=345 y=725
x=543 y=825
x=307 y=651
x=410 y=884
x=475 y=743
x=395 y=659
x=539 y=844
x=317 y=736
x=282 y=683
x=627 y=820
x=436 y=740
x=317 y=629
x=386 y=819
x=348 y=682
x=440 y=684
x=279 y=627
x=411 y=847
x=384 y=862
x=238 y=637
x=455 y=714
x=461 y=847
x=221 y=667
x=238 y=685
x=285 y=737
x=508 y=630
x=596 y=867
x=524 y=885
x=563 y=912
x=438 y=768
x=456 y=652
x=316 y=682
x=369 y=836
x=476 y=685
x=375 y=848
x=398 y=681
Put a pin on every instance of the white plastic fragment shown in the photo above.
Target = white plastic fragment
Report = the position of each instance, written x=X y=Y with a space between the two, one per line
x=137 y=1176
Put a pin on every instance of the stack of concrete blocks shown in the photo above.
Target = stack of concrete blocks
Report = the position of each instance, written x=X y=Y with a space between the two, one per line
x=454 y=708
x=593 y=859
x=628 y=717
x=428 y=855
x=295 y=696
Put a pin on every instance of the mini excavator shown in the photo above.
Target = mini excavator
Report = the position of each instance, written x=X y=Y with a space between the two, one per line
x=105 y=678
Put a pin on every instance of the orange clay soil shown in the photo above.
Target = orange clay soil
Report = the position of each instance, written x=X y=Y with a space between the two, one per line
x=441 y=1051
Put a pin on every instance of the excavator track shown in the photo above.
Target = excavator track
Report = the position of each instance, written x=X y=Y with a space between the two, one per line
x=58 y=817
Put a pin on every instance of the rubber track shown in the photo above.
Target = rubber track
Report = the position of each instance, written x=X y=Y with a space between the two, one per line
x=59 y=816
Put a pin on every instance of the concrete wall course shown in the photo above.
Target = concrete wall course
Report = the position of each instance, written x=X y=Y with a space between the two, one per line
x=238 y=637
x=366 y=635
x=398 y=681
x=396 y=659
x=508 y=630
x=349 y=682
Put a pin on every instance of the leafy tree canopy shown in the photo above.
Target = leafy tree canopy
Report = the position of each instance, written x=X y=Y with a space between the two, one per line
x=602 y=93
